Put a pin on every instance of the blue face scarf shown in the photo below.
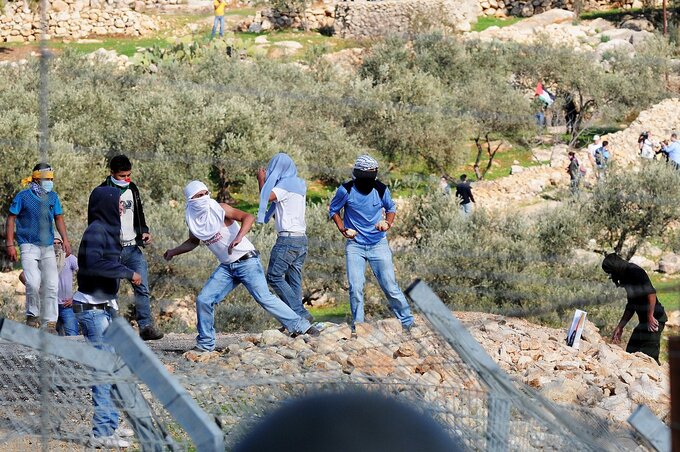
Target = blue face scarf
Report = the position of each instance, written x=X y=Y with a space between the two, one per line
x=281 y=173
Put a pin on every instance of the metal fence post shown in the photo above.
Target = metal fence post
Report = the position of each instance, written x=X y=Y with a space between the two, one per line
x=204 y=432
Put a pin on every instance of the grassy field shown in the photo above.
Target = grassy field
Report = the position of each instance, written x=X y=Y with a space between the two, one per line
x=484 y=22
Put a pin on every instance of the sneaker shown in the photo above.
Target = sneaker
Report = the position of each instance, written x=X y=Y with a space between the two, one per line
x=123 y=432
x=311 y=331
x=108 y=442
x=309 y=317
x=198 y=349
x=33 y=322
x=52 y=328
x=406 y=330
x=150 y=333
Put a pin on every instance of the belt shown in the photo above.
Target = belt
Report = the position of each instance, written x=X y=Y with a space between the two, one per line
x=248 y=255
x=291 y=234
x=80 y=307
x=131 y=243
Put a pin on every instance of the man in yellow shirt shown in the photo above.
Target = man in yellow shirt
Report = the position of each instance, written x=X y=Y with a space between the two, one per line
x=219 y=6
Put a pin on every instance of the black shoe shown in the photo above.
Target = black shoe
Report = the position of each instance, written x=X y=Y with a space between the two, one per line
x=150 y=333
x=310 y=318
x=313 y=332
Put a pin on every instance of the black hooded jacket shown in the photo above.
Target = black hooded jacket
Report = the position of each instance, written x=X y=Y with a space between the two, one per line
x=637 y=284
x=100 y=248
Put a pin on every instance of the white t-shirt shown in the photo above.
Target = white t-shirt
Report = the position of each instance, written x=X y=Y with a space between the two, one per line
x=90 y=299
x=127 y=220
x=219 y=244
x=647 y=149
x=289 y=211
x=594 y=147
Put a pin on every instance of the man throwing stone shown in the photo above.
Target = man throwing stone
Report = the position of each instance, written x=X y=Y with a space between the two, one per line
x=216 y=226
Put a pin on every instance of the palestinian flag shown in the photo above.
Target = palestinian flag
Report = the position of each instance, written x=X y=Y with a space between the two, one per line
x=546 y=96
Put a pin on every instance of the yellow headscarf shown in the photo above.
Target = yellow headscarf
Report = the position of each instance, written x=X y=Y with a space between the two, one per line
x=46 y=173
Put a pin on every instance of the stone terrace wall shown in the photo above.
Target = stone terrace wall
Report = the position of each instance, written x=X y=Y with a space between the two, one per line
x=366 y=19
x=524 y=8
x=74 y=19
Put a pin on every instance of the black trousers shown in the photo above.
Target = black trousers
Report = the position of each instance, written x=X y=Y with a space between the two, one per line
x=644 y=341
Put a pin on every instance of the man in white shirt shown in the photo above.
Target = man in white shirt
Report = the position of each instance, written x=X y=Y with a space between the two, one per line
x=215 y=225
x=280 y=186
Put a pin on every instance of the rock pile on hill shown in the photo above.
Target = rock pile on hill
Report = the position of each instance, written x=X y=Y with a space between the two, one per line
x=600 y=376
x=558 y=26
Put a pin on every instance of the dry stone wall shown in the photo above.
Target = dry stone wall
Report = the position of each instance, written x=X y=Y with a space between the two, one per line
x=74 y=19
x=369 y=19
x=524 y=8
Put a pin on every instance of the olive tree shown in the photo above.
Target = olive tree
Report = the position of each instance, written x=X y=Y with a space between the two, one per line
x=628 y=207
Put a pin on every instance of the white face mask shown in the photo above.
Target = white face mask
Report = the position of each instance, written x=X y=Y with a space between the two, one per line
x=121 y=183
x=47 y=185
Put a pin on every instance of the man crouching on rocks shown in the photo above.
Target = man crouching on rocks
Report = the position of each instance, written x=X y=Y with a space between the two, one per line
x=215 y=225
x=646 y=337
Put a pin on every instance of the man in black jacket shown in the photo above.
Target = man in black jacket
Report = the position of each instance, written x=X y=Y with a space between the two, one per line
x=464 y=195
x=134 y=233
x=96 y=300
x=641 y=294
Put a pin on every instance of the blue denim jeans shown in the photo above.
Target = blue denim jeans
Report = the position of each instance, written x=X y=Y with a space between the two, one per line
x=284 y=272
x=105 y=419
x=218 y=20
x=133 y=258
x=379 y=257
x=226 y=278
x=67 y=325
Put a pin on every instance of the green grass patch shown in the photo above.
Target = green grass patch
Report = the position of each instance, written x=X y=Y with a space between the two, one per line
x=335 y=313
x=122 y=46
x=615 y=14
x=504 y=159
x=484 y=22
x=668 y=291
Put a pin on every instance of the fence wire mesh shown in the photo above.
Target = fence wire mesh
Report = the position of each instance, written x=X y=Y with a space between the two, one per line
x=46 y=399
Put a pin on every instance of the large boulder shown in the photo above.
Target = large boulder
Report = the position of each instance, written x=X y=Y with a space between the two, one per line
x=670 y=264
x=638 y=25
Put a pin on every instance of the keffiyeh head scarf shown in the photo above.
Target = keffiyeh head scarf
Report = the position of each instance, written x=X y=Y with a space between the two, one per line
x=365 y=173
x=204 y=215
x=282 y=173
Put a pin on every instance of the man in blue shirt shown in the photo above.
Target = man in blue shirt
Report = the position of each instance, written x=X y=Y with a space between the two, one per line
x=364 y=199
x=33 y=211
x=673 y=151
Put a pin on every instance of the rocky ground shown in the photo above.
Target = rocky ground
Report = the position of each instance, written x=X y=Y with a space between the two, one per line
x=599 y=375
x=561 y=26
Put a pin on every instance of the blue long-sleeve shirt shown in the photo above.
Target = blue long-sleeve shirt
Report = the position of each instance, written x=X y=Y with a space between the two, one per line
x=673 y=151
x=363 y=212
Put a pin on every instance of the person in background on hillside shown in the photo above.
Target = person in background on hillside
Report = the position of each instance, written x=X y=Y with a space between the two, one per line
x=215 y=224
x=219 y=7
x=672 y=151
x=280 y=186
x=444 y=186
x=67 y=325
x=134 y=234
x=464 y=195
x=574 y=170
x=646 y=145
x=363 y=200
x=642 y=300
x=592 y=148
x=602 y=157
x=32 y=212
x=95 y=302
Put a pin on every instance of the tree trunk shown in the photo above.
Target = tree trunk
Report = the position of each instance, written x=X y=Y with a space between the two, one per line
x=491 y=154
x=223 y=194
x=480 y=150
